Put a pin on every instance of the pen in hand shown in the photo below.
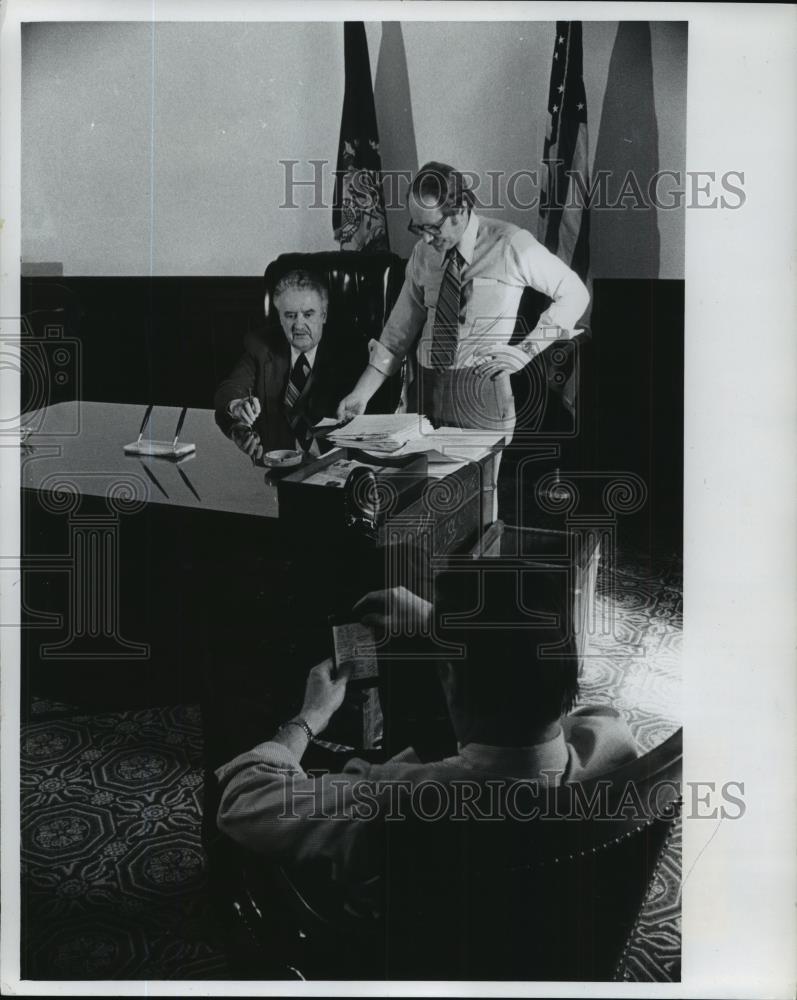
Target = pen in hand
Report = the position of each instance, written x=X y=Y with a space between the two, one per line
x=253 y=407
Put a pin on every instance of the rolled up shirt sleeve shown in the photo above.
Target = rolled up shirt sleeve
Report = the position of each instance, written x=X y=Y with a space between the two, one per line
x=404 y=324
x=382 y=359
x=543 y=270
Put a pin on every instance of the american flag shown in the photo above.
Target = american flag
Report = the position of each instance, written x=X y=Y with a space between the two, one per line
x=564 y=217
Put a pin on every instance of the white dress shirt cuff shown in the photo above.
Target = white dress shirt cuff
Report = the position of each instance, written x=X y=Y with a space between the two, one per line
x=384 y=360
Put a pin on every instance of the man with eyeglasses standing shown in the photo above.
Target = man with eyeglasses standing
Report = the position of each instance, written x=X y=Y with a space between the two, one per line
x=459 y=303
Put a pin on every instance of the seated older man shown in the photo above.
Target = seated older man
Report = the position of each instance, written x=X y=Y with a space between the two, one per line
x=510 y=706
x=280 y=389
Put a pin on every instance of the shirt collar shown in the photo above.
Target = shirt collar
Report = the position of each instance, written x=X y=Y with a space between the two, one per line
x=467 y=242
x=518 y=762
x=310 y=355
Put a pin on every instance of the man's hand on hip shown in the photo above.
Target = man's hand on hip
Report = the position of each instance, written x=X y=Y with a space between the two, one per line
x=494 y=360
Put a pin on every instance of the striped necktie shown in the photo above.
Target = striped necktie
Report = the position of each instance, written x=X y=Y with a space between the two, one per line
x=296 y=384
x=445 y=331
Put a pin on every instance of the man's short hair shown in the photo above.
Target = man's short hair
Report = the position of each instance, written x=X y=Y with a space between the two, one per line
x=442 y=185
x=508 y=683
x=304 y=281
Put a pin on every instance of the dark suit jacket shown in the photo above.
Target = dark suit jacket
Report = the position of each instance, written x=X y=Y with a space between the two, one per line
x=263 y=370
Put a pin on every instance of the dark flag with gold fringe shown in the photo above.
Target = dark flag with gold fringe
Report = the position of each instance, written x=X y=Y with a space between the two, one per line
x=564 y=215
x=358 y=211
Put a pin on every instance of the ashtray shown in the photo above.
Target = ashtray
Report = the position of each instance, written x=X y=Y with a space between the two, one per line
x=282 y=459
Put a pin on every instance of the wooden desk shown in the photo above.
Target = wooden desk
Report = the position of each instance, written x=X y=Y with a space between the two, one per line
x=78 y=446
x=135 y=570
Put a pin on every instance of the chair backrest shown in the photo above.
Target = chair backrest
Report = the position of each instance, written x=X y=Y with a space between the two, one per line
x=550 y=897
x=362 y=290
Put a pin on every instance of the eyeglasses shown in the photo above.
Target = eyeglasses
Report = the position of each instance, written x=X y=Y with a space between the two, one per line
x=430 y=230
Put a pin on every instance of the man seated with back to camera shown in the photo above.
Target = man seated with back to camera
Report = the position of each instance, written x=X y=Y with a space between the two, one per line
x=512 y=715
x=282 y=386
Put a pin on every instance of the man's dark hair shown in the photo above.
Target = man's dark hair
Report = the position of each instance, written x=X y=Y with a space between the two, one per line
x=303 y=280
x=444 y=186
x=508 y=684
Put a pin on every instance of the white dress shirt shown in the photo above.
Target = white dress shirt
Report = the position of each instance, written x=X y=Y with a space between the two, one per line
x=271 y=806
x=310 y=355
x=500 y=261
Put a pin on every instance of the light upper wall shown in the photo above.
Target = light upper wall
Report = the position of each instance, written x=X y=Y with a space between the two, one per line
x=156 y=149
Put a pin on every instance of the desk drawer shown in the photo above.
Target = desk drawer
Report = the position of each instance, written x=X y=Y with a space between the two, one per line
x=438 y=532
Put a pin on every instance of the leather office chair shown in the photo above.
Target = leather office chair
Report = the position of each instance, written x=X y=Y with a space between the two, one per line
x=552 y=898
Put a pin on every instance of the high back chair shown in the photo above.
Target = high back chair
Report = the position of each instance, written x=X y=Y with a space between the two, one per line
x=552 y=896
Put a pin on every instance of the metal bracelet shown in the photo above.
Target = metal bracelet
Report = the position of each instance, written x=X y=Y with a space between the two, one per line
x=299 y=721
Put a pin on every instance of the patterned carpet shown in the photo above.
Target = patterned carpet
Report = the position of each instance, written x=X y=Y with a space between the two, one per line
x=634 y=663
x=114 y=880
x=113 y=874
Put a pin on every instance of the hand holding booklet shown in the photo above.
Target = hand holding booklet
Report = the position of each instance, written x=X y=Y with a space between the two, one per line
x=355 y=648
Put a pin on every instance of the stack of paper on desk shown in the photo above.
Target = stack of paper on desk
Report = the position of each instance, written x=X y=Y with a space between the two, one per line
x=403 y=434
x=453 y=444
x=382 y=432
